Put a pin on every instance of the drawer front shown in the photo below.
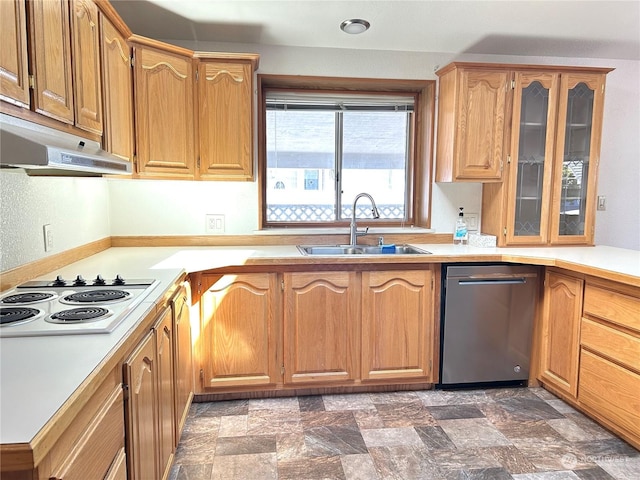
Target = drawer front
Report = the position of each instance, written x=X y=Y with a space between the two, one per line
x=612 y=343
x=611 y=391
x=612 y=306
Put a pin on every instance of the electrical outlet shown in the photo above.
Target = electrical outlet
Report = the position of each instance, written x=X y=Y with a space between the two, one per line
x=48 y=237
x=214 y=223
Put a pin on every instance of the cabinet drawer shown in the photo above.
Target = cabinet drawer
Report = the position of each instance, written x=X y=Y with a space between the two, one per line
x=611 y=391
x=617 y=345
x=612 y=306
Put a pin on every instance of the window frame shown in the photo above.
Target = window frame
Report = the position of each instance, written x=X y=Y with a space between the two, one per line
x=419 y=167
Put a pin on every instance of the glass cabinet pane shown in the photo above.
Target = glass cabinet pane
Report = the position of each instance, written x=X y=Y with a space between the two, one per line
x=575 y=161
x=531 y=159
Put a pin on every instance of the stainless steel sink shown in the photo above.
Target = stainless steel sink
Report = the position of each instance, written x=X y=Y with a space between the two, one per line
x=332 y=250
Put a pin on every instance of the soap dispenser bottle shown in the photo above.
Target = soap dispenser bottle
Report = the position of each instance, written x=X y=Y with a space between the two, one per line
x=460 y=234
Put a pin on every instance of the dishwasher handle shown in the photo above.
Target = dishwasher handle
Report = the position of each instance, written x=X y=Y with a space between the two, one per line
x=492 y=281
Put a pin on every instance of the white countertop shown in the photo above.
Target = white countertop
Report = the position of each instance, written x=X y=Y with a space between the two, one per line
x=38 y=374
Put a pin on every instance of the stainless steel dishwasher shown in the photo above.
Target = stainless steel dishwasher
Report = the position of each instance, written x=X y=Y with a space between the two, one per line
x=487 y=323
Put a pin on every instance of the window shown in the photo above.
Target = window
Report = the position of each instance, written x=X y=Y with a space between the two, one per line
x=320 y=148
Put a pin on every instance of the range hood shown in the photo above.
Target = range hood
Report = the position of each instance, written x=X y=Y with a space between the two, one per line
x=42 y=151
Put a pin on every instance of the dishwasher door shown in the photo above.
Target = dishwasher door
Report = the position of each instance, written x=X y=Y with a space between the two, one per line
x=487 y=324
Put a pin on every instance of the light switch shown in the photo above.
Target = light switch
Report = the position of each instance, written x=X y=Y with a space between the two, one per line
x=602 y=202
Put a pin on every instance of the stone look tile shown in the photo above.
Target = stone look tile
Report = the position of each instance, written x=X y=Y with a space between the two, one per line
x=391 y=437
x=245 y=467
x=473 y=432
x=359 y=467
x=519 y=433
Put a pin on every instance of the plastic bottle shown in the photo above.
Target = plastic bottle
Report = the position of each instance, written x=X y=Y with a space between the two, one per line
x=460 y=234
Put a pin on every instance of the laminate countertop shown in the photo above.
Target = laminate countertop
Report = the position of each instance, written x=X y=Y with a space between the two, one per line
x=39 y=374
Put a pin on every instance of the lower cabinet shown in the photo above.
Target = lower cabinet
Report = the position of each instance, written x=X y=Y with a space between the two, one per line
x=321 y=327
x=560 y=327
x=150 y=374
x=238 y=330
x=183 y=358
x=397 y=324
x=316 y=329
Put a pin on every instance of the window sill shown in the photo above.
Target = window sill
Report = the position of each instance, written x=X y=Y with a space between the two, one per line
x=343 y=230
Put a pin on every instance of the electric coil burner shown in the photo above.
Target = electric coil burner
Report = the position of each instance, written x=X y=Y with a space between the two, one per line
x=61 y=307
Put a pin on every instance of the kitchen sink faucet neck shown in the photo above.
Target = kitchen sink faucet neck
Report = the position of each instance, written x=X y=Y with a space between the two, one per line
x=353 y=229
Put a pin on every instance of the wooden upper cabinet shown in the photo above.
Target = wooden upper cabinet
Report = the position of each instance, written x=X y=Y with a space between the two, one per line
x=560 y=328
x=397 y=324
x=164 y=113
x=86 y=65
x=118 y=92
x=51 y=59
x=225 y=117
x=14 y=68
x=471 y=124
x=321 y=327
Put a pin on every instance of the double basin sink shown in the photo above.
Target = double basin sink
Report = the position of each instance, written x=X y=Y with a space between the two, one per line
x=332 y=250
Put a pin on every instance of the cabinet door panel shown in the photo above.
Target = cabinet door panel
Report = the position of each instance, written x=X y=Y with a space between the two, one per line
x=164 y=114
x=166 y=416
x=481 y=126
x=560 y=327
x=183 y=359
x=225 y=120
x=86 y=65
x=140 y=375
x=397 y=322
x=118 y=92
x=51 y=59
x=321 y=326
x=532 y=144
x=577 y=157
x=237 y=331
x=14 y=70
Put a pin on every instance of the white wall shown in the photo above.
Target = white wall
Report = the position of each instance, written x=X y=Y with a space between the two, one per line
x=95 y=208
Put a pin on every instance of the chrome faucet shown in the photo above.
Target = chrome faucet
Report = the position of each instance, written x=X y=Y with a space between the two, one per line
x=353 y=229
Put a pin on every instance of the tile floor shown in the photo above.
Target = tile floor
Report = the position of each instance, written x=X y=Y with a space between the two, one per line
x=522 y=433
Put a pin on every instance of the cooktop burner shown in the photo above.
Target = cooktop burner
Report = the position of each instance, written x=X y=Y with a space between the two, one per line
x=95 y=296
x=67 y=307
x=79 y=315
x=30 y=297
x=17 y=315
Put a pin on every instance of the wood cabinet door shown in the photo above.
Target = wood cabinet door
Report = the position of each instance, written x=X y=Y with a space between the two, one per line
x=86 y=65
x=480 y=136
x=530 y=171
x=51 y=59
x=118 y=92
x=14 y=69
x=140 y=376
x=238 y=331
x=164 y=114
x=577 y=156
x=166 y=414
x=225 y=108
x=321 y=327
x=562 y=309
x=183 y=359
x=397 y=324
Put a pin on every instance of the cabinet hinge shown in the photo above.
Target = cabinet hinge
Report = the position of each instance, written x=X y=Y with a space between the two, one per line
x=198 y=163
x=197 y=75
x=508 y=158
x=135 y=163
x=432 y=283
x=125 y=392
x=32 y=82
x=282 y=285
x=131 y=61
x=282 y=370
x=513 y=84
x=504 y=232
x=202 y=375
x=603 y=88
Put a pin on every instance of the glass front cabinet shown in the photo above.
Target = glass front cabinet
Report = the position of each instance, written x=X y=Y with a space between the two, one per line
x=548 y=195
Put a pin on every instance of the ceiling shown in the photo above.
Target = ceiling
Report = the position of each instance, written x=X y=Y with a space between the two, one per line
x=558 y=28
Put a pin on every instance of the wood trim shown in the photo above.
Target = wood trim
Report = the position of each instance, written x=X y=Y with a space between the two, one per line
x=515 y=66
x=106 y=8
x=252 y=58
x=13 y=277
x=162 y=46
